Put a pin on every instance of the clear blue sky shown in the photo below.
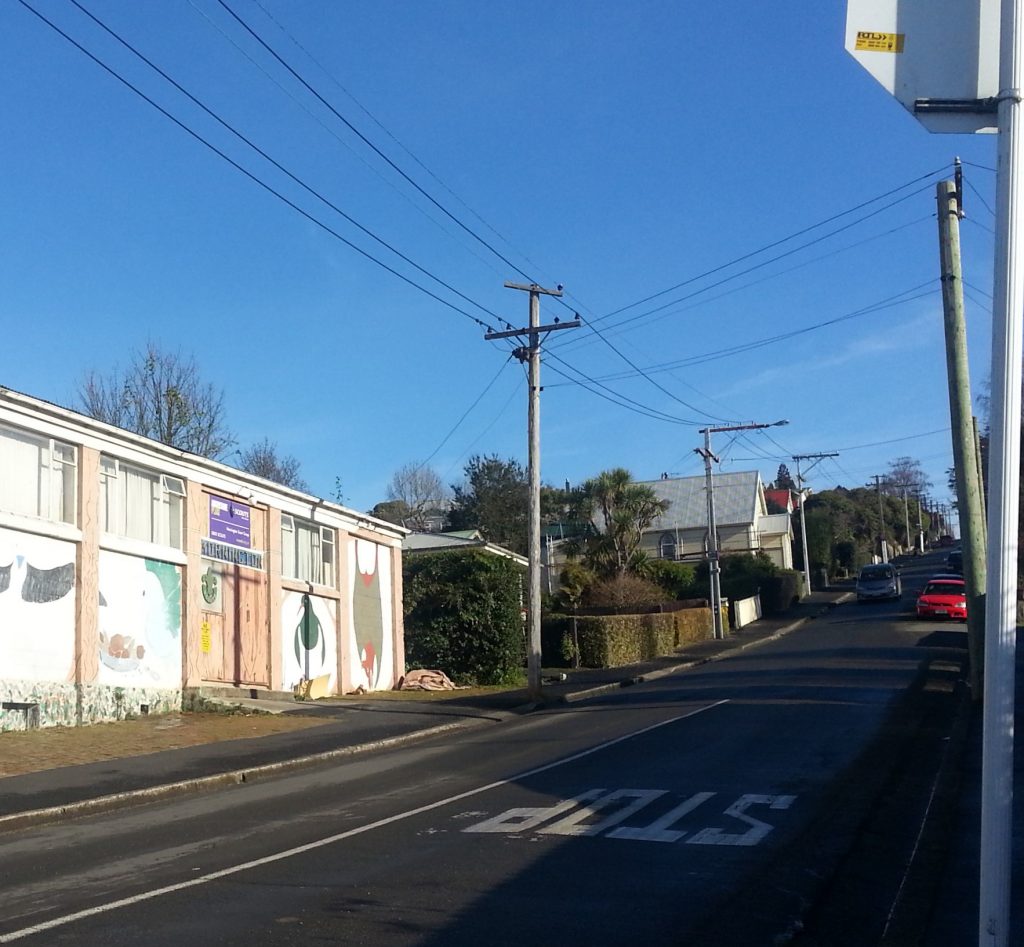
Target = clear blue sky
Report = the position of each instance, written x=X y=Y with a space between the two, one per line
x=618 y=149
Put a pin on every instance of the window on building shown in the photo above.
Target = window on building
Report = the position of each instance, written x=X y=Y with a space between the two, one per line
x=38 y=476
x=667 y=546
x=307 y=551
x=136 y=503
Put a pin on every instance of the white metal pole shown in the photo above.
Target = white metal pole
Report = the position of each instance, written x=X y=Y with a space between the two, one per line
x=1004 y=480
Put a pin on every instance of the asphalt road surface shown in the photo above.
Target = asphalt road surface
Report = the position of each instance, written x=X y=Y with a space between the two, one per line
x=712 y=807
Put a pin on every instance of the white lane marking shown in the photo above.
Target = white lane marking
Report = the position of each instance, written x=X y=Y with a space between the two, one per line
x=659 y=831
x=758 y=829
x=332 y=839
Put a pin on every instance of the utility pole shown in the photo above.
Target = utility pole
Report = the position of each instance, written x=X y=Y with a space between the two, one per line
x=881 y=520
x=920 y=527
x=714 y=566
x=961 y=419
x=817 y=458
x=530 y=353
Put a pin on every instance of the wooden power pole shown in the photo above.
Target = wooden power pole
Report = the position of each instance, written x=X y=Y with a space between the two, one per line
x=965 y=454
x=530 y=353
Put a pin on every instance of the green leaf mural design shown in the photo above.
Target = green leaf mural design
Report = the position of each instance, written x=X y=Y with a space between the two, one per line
x=309 y=634
x=170 y=583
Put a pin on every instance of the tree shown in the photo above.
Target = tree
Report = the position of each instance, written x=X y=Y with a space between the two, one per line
x=414 y=492
x=263 y=460
x=393 y=511
x=784 y=479
x=905 y=474
x=622 y=511
x=160 y=395
x=495 y=499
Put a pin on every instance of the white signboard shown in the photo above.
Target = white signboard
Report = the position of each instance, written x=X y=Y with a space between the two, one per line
x=945 y=51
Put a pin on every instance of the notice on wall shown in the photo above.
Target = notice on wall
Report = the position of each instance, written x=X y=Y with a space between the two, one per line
x=229 y=522
x=205 y=642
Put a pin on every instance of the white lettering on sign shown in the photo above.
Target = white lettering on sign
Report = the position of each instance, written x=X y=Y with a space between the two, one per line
x=601 y=811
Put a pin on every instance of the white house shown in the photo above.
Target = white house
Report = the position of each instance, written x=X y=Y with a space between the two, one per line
x=741 y=514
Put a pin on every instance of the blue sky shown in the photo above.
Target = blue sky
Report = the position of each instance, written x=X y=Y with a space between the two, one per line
x=618 y=149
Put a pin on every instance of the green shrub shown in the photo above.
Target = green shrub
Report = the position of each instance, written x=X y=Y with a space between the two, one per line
x=780 y=591
x=623 y=592
x=462 y=616
x=678 y=579
x=742 y=575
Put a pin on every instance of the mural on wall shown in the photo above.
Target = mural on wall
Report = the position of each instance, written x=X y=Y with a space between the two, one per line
x=309 y=640
x=37 y=607
x=140 y=621
x=371 y=614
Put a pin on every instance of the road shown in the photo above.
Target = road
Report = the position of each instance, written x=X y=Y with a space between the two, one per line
x=710 y=807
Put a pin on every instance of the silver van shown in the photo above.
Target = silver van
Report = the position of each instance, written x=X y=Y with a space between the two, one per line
x=879 y=581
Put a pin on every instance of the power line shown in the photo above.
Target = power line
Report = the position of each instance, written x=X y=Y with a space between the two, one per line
x=695 y=302
x=623 y=401
x=373 y=168
x=376 y=121
x=279 y=166
x=256 y=180
x=369 y=143
x=780 y=242
x=716 y=354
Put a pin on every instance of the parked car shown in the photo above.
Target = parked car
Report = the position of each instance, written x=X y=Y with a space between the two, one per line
x=955 y=561
x=943 y=597
x=879 y=581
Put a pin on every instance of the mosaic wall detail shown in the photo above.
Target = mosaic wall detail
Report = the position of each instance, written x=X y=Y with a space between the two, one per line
x=370 y=643
x=37 y=608
x=309 y=640
x=65 y=705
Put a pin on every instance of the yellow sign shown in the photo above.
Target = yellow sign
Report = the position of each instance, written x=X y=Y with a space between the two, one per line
x=879 y=42
x=204 y=637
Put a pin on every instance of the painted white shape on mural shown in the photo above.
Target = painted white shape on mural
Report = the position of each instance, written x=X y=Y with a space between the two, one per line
x=140 y=622
x=371 y=627
x=37 y=607
x=573 y=815
x=309 y=640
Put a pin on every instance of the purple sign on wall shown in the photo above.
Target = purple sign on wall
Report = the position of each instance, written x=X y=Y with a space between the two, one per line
x=229 y=522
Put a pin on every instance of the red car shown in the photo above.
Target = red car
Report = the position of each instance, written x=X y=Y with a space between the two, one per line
x=943 y=597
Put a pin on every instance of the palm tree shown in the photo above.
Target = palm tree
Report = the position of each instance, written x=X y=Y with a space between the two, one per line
x=622 y=510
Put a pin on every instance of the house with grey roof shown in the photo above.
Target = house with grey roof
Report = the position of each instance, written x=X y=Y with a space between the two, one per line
x=741 y=514
x=460 y=539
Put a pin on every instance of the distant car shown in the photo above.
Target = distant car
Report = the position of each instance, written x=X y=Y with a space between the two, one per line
x=943 y=597
x=946 y=541
x=879 y=581
x=955 y=561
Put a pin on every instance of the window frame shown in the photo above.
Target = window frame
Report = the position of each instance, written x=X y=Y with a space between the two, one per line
x=55 y=476
x=321 y=556
x=164 y=511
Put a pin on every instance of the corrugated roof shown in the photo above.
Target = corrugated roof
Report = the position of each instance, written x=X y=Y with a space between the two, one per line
x=736 y=500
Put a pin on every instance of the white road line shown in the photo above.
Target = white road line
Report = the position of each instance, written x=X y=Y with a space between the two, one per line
x=331 y=839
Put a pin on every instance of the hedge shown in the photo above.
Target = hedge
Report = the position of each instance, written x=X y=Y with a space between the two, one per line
x=617 y=640
x=463 y=616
